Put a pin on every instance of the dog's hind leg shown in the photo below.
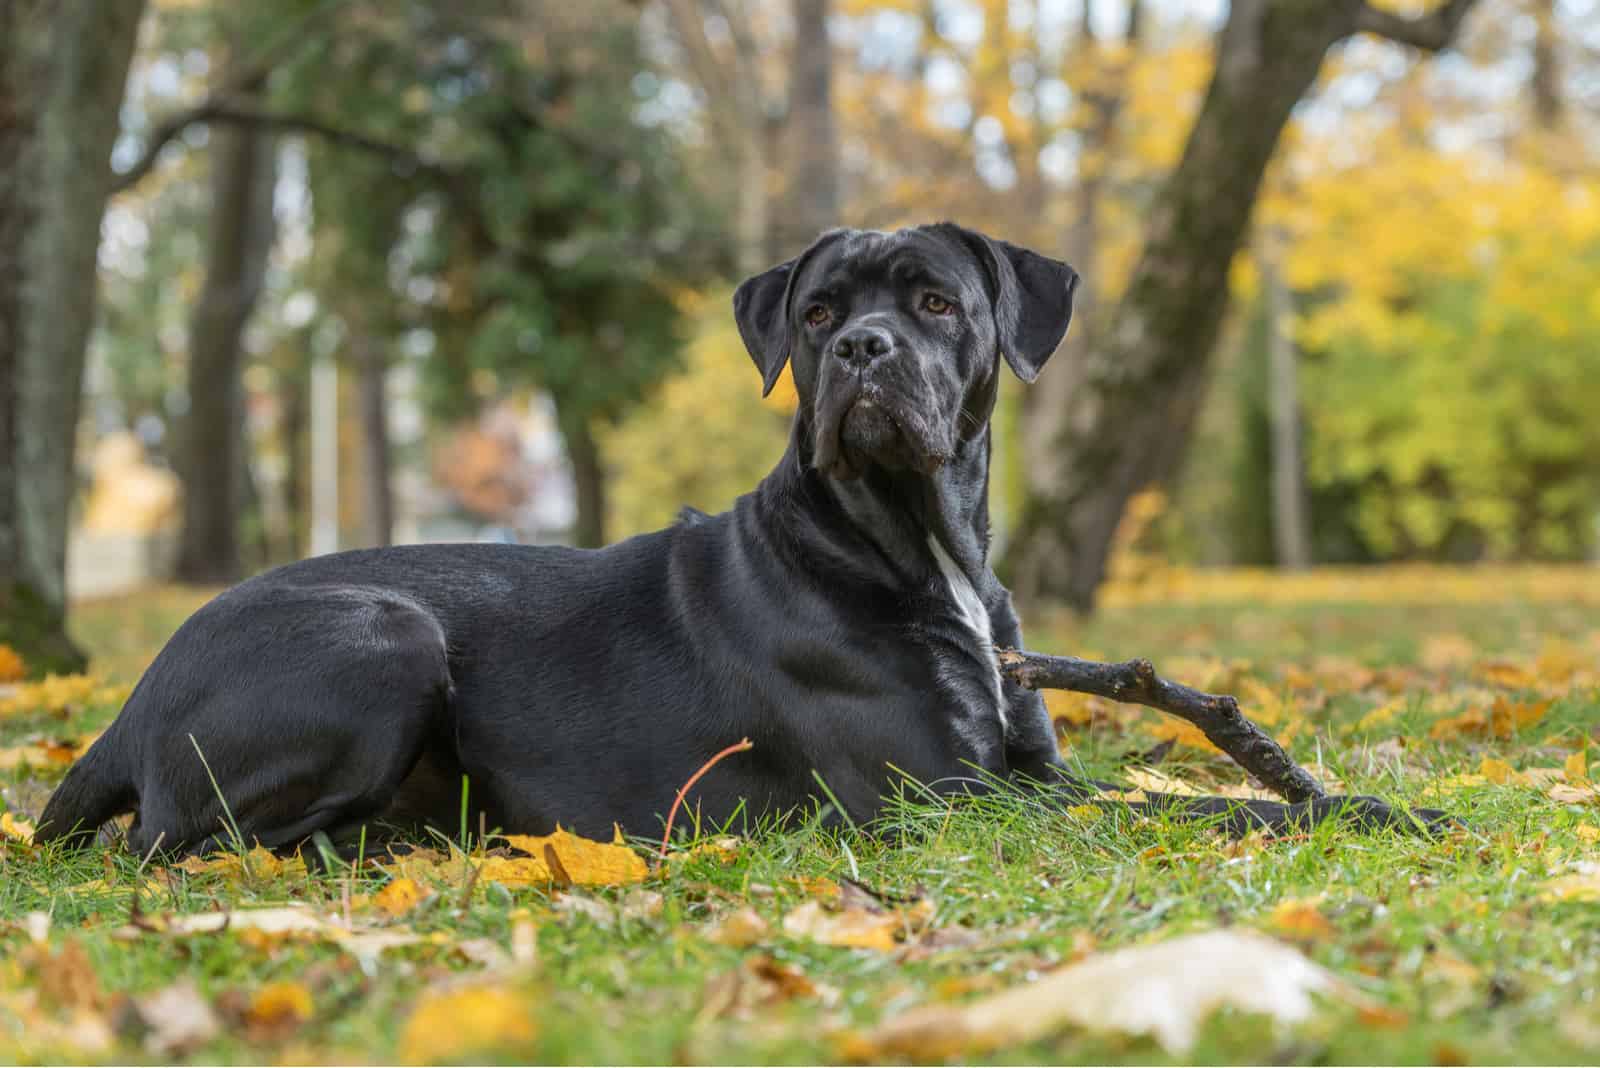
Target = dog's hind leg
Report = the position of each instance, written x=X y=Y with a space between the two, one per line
x=304 y=709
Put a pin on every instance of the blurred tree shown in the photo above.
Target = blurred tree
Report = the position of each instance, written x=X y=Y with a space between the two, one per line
x=736 y=439
x=210 y=457
x=812 y=200
x=63 y=72
x=1134 y=400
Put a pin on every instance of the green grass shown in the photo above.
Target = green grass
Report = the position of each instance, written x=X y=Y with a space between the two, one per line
x=1033 y=888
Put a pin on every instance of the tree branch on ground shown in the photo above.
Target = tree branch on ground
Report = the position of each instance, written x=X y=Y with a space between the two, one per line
x=1136 y=682
x=1432 y=32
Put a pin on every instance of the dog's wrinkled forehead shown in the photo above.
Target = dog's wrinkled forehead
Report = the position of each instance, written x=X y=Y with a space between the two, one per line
x=861 y=260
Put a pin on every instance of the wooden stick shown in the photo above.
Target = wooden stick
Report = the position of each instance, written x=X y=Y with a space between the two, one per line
x=1136 y=682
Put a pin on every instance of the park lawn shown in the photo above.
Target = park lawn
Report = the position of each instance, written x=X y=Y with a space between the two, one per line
x=1436 y=687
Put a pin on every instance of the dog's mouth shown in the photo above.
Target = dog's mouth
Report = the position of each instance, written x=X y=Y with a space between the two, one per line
x=862 y=427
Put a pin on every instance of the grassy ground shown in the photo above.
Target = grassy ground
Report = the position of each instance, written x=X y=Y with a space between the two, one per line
x=1437 y=687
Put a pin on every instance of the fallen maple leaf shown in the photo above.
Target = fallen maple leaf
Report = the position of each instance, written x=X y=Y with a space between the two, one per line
x=1501 y=720
x=448 y=1025
x=254 y=864
x=579 y=861
x=1165 y=990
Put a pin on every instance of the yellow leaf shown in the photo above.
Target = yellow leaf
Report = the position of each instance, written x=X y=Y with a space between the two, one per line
x=1497 y=771
x=1300 y=918
x=1512 y=677
x=276 y=1007
x=399 y=897
x=1183 y=733
x=580 y=860
x=15 y=828
x=1587 y=832
x=449 y=1025
x=1576 y=766
x=257 y=863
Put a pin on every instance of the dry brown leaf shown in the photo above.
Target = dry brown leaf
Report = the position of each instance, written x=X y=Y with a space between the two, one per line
x=1166 y=990
x=178 y=1019
x=1581 y=794
x=447 y=1025
x=856 y=926
x=1502 y=720
x=759 y=982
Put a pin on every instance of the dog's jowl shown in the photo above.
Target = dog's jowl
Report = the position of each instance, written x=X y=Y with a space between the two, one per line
x=843 y=615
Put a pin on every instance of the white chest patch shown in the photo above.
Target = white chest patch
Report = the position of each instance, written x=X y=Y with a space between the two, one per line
x=975 y=616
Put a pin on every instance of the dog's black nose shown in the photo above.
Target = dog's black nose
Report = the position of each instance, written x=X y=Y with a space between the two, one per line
x=862 y=344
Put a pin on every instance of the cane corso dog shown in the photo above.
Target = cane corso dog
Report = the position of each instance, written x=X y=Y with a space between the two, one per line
x=843 y=616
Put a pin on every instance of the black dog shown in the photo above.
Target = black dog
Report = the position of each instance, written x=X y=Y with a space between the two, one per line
x=843 y=616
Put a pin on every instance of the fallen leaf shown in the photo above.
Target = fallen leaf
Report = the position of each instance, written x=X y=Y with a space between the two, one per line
x=398 y=897
x=574 y=906
x=1166 y=990
x=1576 y=766
x=277 y=1010
x=177 y=1019
x=1587 y=832
x=759 y=982
x=15 y=828
x=740 y=928
x=856 y=926
x=255 y=864
x=448 y=1025
x=1582 y=883
x=1585 y=793
x=1501 y=720
x=1301 y=919
x=582 y=861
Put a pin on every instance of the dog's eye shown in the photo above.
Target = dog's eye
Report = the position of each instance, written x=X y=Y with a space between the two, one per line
x=816 y=315
x=934 y=304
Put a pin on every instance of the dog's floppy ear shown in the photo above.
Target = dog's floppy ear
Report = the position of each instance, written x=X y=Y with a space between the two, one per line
x=761 y=308
x=1032 y=304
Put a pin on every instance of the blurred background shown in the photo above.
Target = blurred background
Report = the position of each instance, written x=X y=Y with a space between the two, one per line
x=295 y=276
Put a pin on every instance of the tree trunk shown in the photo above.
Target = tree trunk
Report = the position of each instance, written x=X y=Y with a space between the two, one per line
x=589 y=482
x=373 y=373
x=1291 y=526
x=813 y=148
x=292 y=427
x=1548 y=103
x=1044 y=405
x=63 y=71
x=1134 y=402
x=243 y=172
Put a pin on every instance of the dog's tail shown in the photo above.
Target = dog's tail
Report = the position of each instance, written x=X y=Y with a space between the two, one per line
x=98 y=787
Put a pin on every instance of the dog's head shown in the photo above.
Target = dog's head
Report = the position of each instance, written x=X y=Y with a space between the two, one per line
x=895 y=338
